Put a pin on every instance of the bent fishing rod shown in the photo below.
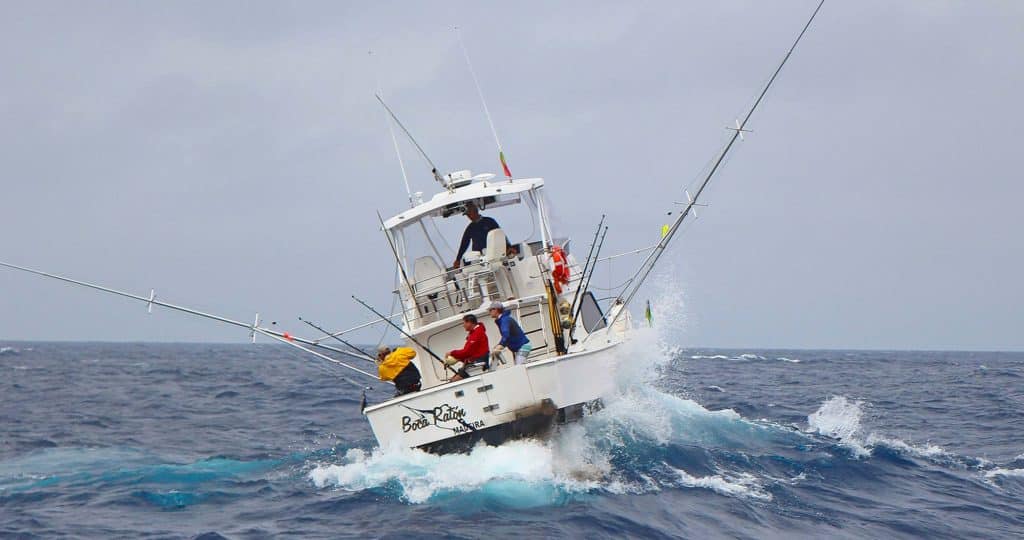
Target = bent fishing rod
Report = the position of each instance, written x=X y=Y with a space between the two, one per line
x=406 y=334
x=649 y=262
x=254 y=328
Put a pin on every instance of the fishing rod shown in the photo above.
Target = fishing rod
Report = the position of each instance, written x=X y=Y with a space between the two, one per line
x=369 y=307
x=586 y=285
x=586 y=264
x=343 y=342
x=649 y=262
x=253 y=328
x=404 y=333
x=433 y=168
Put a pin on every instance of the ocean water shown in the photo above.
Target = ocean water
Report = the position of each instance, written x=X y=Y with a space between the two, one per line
x=241 y=441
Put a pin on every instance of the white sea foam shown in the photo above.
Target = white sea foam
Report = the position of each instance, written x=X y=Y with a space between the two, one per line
x=790 y=360
x=740 y=485
x=837 y=417
x=521 y=470
x=841 y=418
x=575 y=461
x=1018 y=473
x=715 y=388
x=711 y=357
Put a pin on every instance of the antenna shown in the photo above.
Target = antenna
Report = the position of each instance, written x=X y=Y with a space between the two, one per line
x=433 y=168
x=487 y=112
x=394 y=141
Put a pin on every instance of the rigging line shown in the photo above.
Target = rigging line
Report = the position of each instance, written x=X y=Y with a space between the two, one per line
x=433 y=247
x=615 y=288
x=358 y=326
x=648 y=265
x=433 y=168
x=623 y=254
x=362 y=354
x=480 y=92
x=318 y=355
x=444 y=240
x=394 y=140
x=398 y=260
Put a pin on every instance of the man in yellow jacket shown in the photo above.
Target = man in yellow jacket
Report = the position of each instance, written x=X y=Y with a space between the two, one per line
x=397 y=366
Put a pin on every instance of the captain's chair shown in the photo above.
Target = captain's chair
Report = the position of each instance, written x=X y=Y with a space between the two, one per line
x=496 y=246
x=494 y=258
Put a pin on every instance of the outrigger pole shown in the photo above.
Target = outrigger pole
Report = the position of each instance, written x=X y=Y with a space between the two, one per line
x=253 y=328
x=648 y=264
x=433 y=168
x=404 y=333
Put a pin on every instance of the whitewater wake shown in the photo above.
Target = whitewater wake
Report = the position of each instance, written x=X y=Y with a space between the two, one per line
x=605 y=452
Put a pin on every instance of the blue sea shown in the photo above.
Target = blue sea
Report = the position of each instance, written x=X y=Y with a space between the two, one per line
x=241 y=441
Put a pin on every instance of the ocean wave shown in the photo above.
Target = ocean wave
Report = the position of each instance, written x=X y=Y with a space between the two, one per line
x=619 y=449
x=117 y=466
x=741 y=485
x=744 y=357
x=1018 y=473
x=519 y=473
x=840 y=418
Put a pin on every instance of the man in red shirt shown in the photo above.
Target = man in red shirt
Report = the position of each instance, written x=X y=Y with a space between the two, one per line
x=476 y=350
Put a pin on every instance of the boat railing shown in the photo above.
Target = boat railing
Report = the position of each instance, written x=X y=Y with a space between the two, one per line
x=458 y=290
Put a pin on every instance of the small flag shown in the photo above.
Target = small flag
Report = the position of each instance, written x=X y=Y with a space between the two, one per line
x=649 y=315
x=664 y=230
x=504 y=166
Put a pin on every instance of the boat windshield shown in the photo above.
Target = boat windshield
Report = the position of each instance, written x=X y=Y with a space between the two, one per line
x=428 y=237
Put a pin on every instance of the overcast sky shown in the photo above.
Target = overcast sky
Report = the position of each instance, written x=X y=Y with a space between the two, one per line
x=232 y=156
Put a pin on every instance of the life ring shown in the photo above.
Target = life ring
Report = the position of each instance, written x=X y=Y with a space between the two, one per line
x=559 y=269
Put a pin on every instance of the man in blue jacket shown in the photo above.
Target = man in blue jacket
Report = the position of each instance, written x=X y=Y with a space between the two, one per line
x=512 y=336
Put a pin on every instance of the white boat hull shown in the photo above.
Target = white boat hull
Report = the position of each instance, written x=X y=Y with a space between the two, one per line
x=506 y=403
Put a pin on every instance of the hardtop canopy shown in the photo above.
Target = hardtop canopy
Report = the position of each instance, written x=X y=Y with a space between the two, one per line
x=486 y=194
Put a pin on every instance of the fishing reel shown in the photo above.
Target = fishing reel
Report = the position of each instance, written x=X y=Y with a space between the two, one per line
x=565 y=314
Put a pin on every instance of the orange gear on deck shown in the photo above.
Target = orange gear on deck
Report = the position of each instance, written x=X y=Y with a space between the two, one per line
x=560 y=269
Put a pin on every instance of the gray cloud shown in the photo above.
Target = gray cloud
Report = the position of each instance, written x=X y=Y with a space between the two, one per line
x=232 y=156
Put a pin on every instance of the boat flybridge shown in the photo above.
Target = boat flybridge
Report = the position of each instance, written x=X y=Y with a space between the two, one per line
x=565 y=373
x=537 y=277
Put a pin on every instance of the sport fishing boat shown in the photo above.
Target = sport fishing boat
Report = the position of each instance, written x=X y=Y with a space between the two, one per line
x=539 y=280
